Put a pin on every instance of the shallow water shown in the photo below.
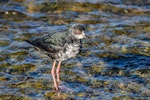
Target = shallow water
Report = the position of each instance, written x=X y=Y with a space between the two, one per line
x=115 y=63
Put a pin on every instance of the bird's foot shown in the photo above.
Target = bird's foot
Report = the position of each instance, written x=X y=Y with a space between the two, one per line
x=55 y=88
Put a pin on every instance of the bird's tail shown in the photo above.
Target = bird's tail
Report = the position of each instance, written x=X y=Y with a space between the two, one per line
x=30 y=42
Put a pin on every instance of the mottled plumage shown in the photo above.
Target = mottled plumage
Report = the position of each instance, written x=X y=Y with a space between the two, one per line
x=61 y=46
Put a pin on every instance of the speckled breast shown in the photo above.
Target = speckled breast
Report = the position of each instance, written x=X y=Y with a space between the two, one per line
x=70 y=51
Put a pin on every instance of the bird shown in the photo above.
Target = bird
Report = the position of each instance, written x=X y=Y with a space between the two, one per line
x=60 y=46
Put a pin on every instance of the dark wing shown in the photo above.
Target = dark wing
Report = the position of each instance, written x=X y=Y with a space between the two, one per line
x=51 y=43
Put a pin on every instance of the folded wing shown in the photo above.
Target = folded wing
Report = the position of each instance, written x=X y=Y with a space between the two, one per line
x=51 y=43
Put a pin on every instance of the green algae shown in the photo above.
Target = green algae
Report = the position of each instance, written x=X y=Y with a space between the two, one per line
x=41 y=85
x=50 y=94
x=145 y=73
x=2 y=58
x=22 y=68
x=82 y=7
x=57 y=96
x=81 y=79
x=4 y=43
x=12 y=97
x=37 y=85
x=134 y=87
x=3 y=78
x=97 y=69
x=12 y=15
x=17 y=69
x=19 y=55
x=97 y=83
x=128 y=98
x=22 y=85
x=81 y=94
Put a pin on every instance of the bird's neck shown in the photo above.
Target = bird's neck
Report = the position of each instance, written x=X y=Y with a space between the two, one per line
x=72 y=39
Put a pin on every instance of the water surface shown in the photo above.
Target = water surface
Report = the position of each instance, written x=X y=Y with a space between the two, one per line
x=115 y=62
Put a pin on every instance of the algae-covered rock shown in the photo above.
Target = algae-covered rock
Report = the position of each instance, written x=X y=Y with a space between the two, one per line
x=134 y=87
x=41 y=85
x=3 y=78
x=4 y=43
x=97 y=83
x=22 y=68
x=145 y=73
x=17 y=55
x=2 y=58
x=81 y=94
x=12 y=97
x=57 y=95
x=81 y=79
x=97 y=68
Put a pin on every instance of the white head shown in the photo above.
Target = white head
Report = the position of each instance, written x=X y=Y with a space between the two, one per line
x=77 y=31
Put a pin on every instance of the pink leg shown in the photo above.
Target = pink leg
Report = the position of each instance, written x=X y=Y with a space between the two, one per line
x=53 y=74
x=58 y=72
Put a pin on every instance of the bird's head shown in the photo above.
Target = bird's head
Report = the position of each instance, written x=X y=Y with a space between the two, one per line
x=77 y=31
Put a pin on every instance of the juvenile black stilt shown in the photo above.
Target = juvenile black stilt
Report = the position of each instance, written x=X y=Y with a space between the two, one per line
x=61 y=46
